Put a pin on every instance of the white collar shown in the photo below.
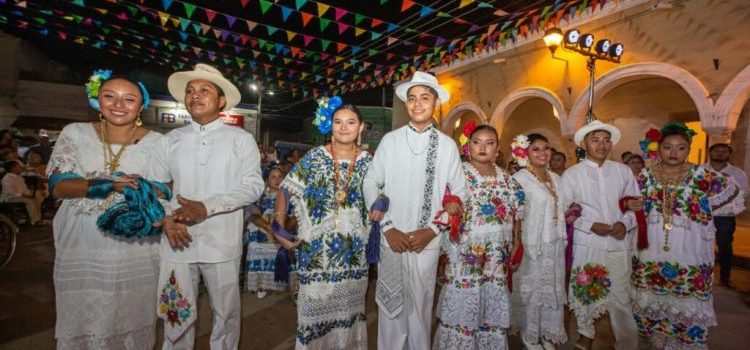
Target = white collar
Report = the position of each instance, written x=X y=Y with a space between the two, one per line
x=414 y=128
x=213 y=125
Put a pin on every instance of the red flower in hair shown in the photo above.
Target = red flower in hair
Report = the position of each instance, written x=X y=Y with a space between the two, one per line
x=653 y=135
x=469 y=127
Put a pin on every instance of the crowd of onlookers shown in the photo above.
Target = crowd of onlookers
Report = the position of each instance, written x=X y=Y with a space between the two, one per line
x=24 y=179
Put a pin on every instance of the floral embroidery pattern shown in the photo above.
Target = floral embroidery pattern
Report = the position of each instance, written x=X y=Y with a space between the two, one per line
x=344 y=251
x=494 y=200
x=687 y=334
x=172 y=304
x=470 y=332
x=310 y=255
x=590 y=282
x=315 y=170
x=692 y=196
x=430 y=176
x=664 y=277
x=308 y=333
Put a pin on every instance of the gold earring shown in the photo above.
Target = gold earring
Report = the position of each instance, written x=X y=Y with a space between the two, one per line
x=138 y=121
x=101 y=117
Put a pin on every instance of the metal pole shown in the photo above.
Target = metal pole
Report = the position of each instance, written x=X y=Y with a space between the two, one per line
x=591 y=65
x=257 y=117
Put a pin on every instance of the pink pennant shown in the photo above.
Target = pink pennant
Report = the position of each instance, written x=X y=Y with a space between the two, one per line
x=307 y=39
x=342 y=27
x=340 y=13
x=210 y=14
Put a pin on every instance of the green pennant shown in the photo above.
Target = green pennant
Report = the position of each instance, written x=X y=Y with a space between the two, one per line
x=40 y=20
x=105 y=30
x=323 y=23
x=133 y=10
x=79 y=3
x=358 y=18
x=143 y=19
x=444 y=15
x=197 y=28
x=324 y=43
x=300 y=3
x=264 y=6
x=77 y=18
x=202 y=39
x=189 y=9
x=484 y=5
x=375 y=35
x=372 y=52
x=409 y=30
x=383 y=1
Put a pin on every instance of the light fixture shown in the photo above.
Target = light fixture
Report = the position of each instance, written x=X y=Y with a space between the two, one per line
x=615 y=52
x=254 y=86
x=586 y=41
x=572 y=36
x=603 y=46
x=553 y=38
x=270 y=93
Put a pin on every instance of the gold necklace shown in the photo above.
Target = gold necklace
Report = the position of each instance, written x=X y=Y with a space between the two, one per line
x=669 y=197
x=550 y=188
x=112 y=160
x=340 y=194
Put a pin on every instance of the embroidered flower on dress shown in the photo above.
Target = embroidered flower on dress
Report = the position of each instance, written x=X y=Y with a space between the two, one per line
x=172 y=304
x=590 y=282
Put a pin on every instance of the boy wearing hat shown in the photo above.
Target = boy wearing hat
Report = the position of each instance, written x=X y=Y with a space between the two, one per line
x=215 y=169
x=600 y=278
x=412 y=166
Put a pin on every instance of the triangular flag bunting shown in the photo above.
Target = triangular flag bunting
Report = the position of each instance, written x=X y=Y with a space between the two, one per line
x=465 y=3
x=358 y=31
x=322 y=8
x=230 y=20
x=391 y=40
x=251 y=25
x=358 y=18
x=300 y=3
x=323 y=23
x=264 y=6
x=342 y=27
x=189 y=9
x=406 y=5
x=290 y=35
x=285 y=12
x=375 y=22
x=306 y=17
x=425 y=11
x=210 y=14
x=307 y=39
x=339 y=13
x=165 y=3
x=375 y=35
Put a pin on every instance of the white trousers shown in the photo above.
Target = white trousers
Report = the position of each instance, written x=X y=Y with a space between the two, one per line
x=618 y=303
x=411 y=328
x=222 y=281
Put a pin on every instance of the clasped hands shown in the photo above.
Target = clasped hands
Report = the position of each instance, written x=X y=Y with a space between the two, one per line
x=616 y=230
x=175 y=225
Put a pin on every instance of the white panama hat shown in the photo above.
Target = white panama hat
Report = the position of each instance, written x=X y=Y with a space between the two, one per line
x=179 y=80
x=614 y=132
x=424 y=79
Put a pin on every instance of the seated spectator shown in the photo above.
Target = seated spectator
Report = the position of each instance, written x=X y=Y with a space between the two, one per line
x=43 y=148
x=14 y=190
x=35 y=163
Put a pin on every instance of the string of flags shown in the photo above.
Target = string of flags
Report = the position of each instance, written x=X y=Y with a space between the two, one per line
x=346 y=51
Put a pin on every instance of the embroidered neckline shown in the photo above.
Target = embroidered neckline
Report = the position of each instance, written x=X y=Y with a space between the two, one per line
x=429 y=178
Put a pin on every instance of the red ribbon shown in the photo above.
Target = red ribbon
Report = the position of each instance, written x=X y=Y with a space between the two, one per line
x=454 y=220
x=514 y=260
x=640 y=218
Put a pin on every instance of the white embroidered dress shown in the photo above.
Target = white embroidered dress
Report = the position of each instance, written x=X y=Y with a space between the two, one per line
x=332 y=268
x=474 y=307
x=539 y=284
x=105 y=286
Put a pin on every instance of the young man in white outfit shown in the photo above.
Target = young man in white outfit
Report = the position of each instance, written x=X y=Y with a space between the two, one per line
x=603 y=237
x=412 y=167
x=215 y=169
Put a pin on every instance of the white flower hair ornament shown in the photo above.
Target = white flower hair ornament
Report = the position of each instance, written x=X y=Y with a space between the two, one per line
x=519 y=149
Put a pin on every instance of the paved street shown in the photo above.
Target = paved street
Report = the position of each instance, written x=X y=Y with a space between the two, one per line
x=27 y=312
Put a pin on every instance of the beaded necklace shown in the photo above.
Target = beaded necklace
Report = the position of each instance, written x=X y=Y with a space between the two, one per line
x=550 y=188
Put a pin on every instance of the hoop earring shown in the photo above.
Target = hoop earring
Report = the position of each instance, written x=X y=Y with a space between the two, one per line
x=138 y=121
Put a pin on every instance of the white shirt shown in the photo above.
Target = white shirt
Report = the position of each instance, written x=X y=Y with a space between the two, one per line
x=219 y=165
x=739 y=178
x=399 y=167
x=598 y=190
x=14 y=186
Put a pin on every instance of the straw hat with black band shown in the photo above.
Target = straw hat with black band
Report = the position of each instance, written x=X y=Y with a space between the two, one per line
x=178 y=82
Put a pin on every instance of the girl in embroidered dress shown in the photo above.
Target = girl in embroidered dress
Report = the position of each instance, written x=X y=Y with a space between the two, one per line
x=672 y=278
x=326 y=192
x=262 y=246
x=539 y=298
x=474 y=306
x=104 y=285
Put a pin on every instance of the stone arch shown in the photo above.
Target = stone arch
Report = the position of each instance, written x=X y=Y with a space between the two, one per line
x=447 y=125
x=616 y=77
x=516 y=98
x=732 y=100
